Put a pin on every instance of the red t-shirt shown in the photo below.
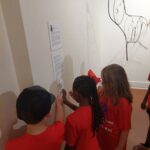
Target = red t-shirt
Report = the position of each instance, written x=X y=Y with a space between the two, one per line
x=78 y=130
x=116 y=119
x=50 y=139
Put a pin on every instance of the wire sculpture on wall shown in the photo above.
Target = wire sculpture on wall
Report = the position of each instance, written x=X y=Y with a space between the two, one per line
x=133 y=27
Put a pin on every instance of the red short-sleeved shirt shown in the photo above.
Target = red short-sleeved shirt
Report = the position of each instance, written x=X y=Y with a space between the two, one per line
x=116 y=119
x=50 y=139
x=78 y=130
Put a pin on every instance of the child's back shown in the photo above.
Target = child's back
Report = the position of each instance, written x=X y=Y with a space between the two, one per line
x=115 y=98
x=80 y=122
x=33 y=106
x=50 y=139
x=81 y=125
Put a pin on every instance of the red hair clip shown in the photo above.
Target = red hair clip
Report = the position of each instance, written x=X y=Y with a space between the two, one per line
x=93 y=76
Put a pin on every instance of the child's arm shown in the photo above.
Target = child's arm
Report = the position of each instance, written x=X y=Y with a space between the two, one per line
x=59 y=110
x=143 y=104
x=122 y=140
x=68 y=103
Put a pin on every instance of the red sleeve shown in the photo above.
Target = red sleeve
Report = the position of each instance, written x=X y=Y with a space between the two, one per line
x=125 y=111
x=70 y=133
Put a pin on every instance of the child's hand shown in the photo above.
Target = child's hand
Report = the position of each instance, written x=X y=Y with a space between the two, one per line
x=59 y=99
x=143 y=105
x=139 y=147
x=64 y=95
x=71 y=94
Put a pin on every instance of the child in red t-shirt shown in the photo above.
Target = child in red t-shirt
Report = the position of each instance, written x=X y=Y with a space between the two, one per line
x=146 y=105
x=33 y=106
x=82 y=124
x=115 y=99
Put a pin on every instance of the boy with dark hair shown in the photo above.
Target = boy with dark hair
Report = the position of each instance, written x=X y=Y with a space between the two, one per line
x=33 y=106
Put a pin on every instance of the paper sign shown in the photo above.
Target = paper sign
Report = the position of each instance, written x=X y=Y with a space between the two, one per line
x=55 y=38
x=57 y=54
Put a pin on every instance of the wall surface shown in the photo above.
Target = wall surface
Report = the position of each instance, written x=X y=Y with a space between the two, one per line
x=8 y=76
x=15 y=31
x=137 y=31
x=15 y=67
x=77 y=20
x=88 y=35
x=8 y=85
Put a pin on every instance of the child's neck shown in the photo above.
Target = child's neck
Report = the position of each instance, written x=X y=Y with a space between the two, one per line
x=84 y=102
x=36 y=128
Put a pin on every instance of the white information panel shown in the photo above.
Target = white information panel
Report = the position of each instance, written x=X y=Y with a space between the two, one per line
x=55 y=38
x=57 y=53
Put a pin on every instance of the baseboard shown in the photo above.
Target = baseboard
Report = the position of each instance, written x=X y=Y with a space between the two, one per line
x=139 y=84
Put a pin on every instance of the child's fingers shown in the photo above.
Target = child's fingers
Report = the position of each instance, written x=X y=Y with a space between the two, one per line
x=59 y=98
x=139 y=147
x=64 y=93
x=71 y=93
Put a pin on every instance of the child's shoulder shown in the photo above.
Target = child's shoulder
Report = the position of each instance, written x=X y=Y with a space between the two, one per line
x=79 y=113
x=56 y=125
x=14 y=143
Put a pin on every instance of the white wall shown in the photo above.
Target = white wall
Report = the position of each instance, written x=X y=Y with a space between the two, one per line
x=8 y=80
x=16 y=37
x=8 y=84
x=113 y=44
x=90 y=39
x=79 y=37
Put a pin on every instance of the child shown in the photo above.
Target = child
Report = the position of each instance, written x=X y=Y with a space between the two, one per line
x=33 y=107
x=83 y=123
x=146 y=105
x=115 y=99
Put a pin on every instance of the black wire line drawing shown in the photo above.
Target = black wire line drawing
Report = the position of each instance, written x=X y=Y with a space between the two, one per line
x=133 y=27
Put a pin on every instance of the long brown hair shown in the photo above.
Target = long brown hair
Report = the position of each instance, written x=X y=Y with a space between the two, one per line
x=115 y=83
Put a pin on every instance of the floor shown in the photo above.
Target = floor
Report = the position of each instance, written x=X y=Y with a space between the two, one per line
x=140 y=120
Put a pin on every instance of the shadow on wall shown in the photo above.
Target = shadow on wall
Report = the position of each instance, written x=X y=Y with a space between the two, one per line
x=14 y=24
x=68 y=72
x=68 y=80
x=67 y=76
x=82 y=68
x=8 y=118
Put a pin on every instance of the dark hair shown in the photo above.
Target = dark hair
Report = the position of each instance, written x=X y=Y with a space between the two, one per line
x=115 y=83
x=86 y=87
x=33 y=104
